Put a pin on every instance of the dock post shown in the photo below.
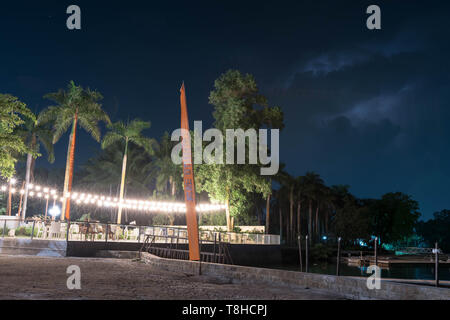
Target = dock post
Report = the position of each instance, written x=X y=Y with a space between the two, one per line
x=375 y=248
x=338 y=256
x=436 y=264
x=300 y=252
x=307 y=254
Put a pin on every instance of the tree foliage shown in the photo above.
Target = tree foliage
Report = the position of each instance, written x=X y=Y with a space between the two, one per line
x=12 y=114
x=237 y=105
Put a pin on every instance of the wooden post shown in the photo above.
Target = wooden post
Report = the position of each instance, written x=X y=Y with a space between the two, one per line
x=436 y=264
x=338 y=256
x=300 y=252
x=375 y=249
x=4 y=228
x=307 y=254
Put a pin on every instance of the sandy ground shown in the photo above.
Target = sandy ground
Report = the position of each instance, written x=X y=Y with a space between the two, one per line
x=31 y=277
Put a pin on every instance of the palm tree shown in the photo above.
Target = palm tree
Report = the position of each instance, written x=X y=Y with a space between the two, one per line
x=34 y=135
x=300 y=189
x=313 y=182
x=75 y=106
x=166 y=174
x=130 y=132
x=288 y=187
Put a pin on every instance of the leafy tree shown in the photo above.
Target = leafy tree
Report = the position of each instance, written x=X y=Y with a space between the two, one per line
x=12 y=115
x=393 y=217
x=74 y=106
x=130 y=132
x=237 y=105
x=436 y=230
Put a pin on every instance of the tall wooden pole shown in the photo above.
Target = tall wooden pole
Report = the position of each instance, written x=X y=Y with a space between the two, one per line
x=189 y=186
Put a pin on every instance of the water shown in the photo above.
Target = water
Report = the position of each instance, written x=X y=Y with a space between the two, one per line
x=410 y=271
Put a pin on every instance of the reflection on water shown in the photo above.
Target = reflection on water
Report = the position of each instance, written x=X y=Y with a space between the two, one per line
x=403 y=271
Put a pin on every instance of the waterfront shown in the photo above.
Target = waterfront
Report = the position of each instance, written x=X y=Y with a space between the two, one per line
x=398 y=271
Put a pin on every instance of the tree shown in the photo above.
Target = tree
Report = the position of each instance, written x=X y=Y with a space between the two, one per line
x=34 y=135
x=130 y=132
x=237 y=105
x=163 y=171
x=313 y=186
x=74 y=106
x=436 y=230
x=393 y=217
x=12 y=114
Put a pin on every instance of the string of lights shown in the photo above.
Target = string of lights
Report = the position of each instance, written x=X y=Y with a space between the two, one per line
x=84 y=198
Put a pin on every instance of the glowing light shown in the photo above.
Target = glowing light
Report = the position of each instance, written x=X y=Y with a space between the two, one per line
x=55 y=211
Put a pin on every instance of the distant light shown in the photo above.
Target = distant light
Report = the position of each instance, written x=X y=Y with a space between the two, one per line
x=12 y=181
x=324 y=238
x=55 y=211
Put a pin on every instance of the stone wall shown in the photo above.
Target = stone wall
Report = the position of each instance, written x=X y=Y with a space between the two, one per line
x=350 y=287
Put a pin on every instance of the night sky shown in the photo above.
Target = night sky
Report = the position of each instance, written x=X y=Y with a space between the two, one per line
x=368 y=108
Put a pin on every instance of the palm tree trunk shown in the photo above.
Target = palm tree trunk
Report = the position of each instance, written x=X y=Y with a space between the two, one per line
x=71 y=161
x=299 y=210
x=27 y=182
x=281 y=224
x=66 y=177
x=317 y=222
x=291 y=214
x=122 y=183
x=267 y=214
x=310 y=221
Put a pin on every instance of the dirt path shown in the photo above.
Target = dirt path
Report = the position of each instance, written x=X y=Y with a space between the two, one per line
x=31 y=277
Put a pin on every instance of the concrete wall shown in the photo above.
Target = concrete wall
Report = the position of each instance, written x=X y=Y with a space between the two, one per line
x=36 y=247
x=350 y=287
x=242 y=254
x=90 y=249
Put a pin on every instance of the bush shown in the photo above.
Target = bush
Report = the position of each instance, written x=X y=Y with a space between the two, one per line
x=25 y=231
x=6 y=231
x=320 y=252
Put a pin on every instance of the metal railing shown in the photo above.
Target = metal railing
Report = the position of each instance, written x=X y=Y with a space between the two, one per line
x=96 y=231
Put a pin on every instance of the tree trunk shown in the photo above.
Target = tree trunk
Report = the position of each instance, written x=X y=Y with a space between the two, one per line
x=291 y=214
x=227 y=211
x=71 y=161
x=299 y=211
x=27 y=182
x=317 y=222
x=122 y=183
x=310 y=221
x=66 y=177
x=281 y=224
x=267 y=214
x=19 y=211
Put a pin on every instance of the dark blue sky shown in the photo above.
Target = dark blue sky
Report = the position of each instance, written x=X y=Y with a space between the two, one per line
x=364 y=108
